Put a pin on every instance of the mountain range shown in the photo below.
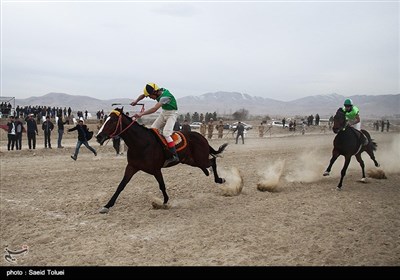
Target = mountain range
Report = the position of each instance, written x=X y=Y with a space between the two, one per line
x=226 y=103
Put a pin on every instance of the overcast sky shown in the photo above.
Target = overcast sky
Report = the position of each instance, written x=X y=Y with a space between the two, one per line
x=279 y=50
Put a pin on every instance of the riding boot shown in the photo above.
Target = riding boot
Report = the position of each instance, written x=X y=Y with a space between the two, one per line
x=174 y=159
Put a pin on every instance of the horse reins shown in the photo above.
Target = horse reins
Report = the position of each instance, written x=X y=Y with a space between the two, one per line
x=119 y=124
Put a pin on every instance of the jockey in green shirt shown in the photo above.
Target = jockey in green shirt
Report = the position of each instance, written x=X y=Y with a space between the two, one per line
x=353 y=118
x=166 y=120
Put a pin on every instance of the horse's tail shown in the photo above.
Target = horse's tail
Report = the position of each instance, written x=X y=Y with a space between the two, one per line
x=215 y=153
x=374 y=145
x=371 y=143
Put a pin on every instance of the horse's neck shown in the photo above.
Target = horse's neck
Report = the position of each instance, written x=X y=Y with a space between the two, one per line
x=136 y=136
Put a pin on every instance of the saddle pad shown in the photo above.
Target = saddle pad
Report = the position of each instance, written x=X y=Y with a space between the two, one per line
x=179 y=139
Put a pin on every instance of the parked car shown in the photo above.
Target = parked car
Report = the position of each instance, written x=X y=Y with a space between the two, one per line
x=279 y=124
x=246 y=126
x=195 y=125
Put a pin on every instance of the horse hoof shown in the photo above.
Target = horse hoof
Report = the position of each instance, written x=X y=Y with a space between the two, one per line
x=157 y=205
x=223 y=180
x=104 y=210
x=377 y=165
x=363 y=180
x=326 y=173
x=338 y=188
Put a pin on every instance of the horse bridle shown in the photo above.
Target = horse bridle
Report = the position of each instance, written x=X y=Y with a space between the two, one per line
x=119 y=124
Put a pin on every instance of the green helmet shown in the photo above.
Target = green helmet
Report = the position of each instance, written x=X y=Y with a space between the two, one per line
x=348 y=102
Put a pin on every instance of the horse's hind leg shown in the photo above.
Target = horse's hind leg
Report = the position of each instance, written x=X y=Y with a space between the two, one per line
x=372 y=156
x=129 y=172
x=217 y=179
x=360 y=160
x=335 y=155
x=160 y=180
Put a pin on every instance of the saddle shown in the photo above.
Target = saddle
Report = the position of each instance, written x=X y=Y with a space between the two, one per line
x=179 y=139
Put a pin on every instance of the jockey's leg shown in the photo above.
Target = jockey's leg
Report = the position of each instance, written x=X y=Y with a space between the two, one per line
x=363 y=139
x=159 y=122
x=170 y=117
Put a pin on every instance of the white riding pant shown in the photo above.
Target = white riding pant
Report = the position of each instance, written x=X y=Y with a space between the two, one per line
x=165 y=123
x=357 y=126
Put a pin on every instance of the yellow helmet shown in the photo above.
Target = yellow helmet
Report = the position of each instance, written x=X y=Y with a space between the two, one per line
x=149 y=89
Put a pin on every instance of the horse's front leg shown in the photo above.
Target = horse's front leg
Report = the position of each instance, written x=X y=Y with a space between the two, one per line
x=217 y=179
x=343 y=172
x=129 y=172
x=335 y=155
x=161 y=184
x=359 y=159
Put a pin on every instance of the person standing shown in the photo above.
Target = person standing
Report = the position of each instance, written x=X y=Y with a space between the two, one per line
x=47 y=127
x=60 y=126
x=382 y=125
x=210 y=128
x=116 y=144
x=240 y=131
x=261 y=130
x=166 y=120
x=32 y=131
x=186 y=127
x=11 y=133
x=387 y=125
x=19 y=127
x=220 y=129
x=203 y=128
x=82 y=139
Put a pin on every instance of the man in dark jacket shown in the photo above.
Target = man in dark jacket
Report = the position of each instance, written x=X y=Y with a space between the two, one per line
x=186 y=127
x=60 y=125
x=32 y=131
x=19 y=128
x=82 y=138
x=11 y=133
x=240 y=131
x=47 y=127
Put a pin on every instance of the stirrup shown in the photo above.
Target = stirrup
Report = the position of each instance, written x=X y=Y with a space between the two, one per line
x=170 y=161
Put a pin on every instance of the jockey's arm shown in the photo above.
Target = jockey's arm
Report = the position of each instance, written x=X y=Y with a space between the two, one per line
x=140 y=97
x=149 y=111
x=355 y=121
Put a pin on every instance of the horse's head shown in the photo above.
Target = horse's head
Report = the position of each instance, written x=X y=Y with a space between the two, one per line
x=339 y=120
x=113 y=126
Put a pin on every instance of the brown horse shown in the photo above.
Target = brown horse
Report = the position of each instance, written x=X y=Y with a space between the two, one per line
x=147 y=153
x=348 y=143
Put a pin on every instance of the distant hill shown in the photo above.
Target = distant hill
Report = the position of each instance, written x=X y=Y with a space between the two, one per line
x=226 y=103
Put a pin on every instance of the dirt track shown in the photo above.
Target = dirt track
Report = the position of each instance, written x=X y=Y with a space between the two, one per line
x=51 y=204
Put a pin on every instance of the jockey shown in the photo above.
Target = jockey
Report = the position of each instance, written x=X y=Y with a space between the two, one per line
x=353 y=118
x=166 y=120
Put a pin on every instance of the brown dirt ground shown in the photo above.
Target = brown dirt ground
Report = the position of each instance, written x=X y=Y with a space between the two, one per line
x=50 y=203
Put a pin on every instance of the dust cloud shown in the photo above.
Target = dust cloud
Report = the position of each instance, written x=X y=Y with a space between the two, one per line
x=271 y=176
x=389 y=158
x=307 y=167
x=234 y=181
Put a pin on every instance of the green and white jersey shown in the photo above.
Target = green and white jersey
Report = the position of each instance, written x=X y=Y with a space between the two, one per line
x=352 y=114
x=167 y=100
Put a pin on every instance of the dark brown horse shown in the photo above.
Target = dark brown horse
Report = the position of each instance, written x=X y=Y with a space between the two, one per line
x=146 y=152
x=348 y=143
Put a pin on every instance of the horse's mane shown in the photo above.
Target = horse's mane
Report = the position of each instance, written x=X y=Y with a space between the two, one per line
x=340 y=110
